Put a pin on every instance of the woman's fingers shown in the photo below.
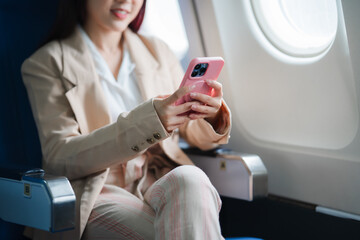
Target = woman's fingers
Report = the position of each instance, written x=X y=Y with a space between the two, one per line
x=175 y=122
x=204 y=106
x=171 y=119
x=210 y=104
x=183 y=108
x=169 y=114
x=208 y=100
x=216 y=86
x=181 y=92
x=204 y=110
x=196 y=115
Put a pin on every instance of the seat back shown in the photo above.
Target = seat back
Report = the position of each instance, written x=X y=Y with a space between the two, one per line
x=23 y=25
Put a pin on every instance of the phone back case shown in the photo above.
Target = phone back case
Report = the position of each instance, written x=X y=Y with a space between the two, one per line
x=215 y=64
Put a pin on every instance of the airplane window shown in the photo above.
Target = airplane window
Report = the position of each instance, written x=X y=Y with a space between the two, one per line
x=163 y=20
x=300 y=28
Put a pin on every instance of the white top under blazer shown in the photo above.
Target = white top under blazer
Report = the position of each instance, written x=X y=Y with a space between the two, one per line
x=122 y=94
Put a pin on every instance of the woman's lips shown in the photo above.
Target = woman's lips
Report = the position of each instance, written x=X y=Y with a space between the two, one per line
x=120 y=13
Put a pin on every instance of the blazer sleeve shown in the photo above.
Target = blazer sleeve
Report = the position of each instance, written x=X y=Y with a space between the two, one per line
x=67 y=151
x=200 y=133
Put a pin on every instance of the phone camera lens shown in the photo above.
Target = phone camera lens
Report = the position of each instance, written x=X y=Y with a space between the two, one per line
x=194 y=73
x=202 y=71
x=198 y=66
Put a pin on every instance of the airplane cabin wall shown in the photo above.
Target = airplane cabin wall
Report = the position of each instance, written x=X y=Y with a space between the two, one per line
x=312 y=155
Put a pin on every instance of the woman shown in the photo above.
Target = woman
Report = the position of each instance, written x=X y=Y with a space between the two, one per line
x=97 y=93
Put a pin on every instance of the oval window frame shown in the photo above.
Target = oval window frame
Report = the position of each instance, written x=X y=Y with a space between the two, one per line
x=287 y=45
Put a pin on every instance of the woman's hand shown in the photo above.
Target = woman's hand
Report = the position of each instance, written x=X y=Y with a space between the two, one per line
x=171 y=115
x=209 y=107
x=203 y=106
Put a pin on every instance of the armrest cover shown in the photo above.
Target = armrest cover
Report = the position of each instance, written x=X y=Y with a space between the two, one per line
x=237 y=175
x=35 y=199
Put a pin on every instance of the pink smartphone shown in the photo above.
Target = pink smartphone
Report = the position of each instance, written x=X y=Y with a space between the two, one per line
x=199 y=70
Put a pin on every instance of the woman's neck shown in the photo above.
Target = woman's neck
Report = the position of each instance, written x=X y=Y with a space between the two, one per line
x=108 y=44
x=106 y=41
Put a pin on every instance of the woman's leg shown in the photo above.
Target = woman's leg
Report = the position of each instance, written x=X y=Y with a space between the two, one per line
x=118 y=214
x=186 y=205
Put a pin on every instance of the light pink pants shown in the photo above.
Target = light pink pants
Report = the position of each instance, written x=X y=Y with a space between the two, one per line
x=182 y=204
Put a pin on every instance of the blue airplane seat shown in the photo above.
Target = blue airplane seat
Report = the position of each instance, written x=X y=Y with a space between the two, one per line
x=23 y=25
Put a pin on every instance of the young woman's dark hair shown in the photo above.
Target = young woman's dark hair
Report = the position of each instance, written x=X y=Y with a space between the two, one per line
x=73 y=12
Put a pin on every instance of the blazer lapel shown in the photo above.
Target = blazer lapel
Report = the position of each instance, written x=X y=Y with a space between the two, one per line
x=86 y=96
x=146 y=66
x=147 y=71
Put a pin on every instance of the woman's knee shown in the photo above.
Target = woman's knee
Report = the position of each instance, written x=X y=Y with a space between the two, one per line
x=183 y=185
x=190 y=175
x=193 y=183
x=190 y=179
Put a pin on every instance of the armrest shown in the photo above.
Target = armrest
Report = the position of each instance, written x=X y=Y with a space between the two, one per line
x=36 y=199
x=237 y=175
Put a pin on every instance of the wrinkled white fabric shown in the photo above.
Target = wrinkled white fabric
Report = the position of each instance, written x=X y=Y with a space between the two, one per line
x=123 y=93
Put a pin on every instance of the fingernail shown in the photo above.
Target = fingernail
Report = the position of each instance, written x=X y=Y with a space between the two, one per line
x=192 y=94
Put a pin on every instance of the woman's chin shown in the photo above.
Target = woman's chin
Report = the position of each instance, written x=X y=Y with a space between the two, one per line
x=119 y=27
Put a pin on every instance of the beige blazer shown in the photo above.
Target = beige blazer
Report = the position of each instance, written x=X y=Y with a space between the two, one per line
x=73 y=121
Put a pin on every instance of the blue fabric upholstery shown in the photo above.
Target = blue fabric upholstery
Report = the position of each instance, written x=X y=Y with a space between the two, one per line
x=23 y=25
